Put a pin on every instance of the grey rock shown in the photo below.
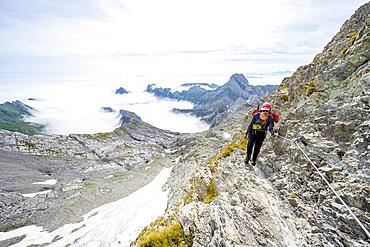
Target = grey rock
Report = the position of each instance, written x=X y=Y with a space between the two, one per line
x=107 y=109
x=121 y=90
x=214 y=105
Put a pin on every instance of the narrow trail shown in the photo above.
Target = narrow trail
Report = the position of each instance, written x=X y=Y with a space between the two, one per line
x=259 y=193
x=277 y=208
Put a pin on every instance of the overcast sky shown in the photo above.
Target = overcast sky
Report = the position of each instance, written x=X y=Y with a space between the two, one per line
x=209 y=38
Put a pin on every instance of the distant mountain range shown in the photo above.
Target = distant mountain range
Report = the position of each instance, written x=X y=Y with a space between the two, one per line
x=213 y=105
x=313 y=193
x=12 y=118
x=212 y=102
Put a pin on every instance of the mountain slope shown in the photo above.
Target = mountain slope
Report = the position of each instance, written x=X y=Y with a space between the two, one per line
x=12 y=115
x=214 y=199
x=218 y=201
x=88 y=170
x=214 y=105
x=328 y=103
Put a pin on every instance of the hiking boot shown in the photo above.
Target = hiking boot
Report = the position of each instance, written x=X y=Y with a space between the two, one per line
x=246 y=160
x=253 y=163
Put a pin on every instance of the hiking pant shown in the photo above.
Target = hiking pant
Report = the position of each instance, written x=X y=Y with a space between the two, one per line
x=255 y=142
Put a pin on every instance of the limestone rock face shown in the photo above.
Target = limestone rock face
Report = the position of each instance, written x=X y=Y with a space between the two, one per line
x=328 y=104
x=220 y=201
x=283 y=201
x=216 y=198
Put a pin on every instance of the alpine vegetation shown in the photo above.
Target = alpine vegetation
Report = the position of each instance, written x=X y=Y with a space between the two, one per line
x=306 y=183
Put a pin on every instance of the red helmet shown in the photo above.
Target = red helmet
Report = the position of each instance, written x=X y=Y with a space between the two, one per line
x=266 y=107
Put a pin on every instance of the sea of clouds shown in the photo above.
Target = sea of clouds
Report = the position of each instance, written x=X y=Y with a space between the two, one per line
x=75 y=105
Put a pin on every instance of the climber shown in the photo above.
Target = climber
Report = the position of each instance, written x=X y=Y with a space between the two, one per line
x=257 y=130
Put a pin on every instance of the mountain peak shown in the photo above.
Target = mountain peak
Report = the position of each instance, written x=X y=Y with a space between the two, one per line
x=129 y=117
x=240 y=78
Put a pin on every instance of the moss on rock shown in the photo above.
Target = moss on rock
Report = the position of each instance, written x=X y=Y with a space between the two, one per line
x=164 y=233
x=311 y=88
x=284 y=97
x=211 y=192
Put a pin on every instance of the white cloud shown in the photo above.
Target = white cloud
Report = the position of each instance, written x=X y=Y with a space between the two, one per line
x=106 y=43
x=116 y=38
x=165 y=25
x=67 y=108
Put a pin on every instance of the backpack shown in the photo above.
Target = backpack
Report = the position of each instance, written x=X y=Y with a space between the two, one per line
x=274 y=115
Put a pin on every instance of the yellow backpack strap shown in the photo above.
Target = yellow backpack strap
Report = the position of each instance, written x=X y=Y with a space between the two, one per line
x=265 y=121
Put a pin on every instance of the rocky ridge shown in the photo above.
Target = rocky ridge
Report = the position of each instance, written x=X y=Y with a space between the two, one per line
x=216 y=201
x=328 y=103
x=214 y=105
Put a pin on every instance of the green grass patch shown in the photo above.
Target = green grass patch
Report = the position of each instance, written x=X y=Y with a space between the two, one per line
x=103 y=136
x=188 y=195
x=29 y=145
x=227 y=151
x=293 y=195
x=284 y=97
x=353 y=36
x=11 y=118
x=343 y=50
x=98 y=137
x=53 y=150
x=119 y=175
x=212 y=192
x=205 y=192
x=311 y=88
x=90 y=137
x=21 y=127
x=164 y=233
x=213 y=167
x=283 y=89
x=243 y=142
x=187 y=198
x=89 y=185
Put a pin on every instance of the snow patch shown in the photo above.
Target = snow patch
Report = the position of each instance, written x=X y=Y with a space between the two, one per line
x=113 y=224
x=170 y=151
x=178 y=159
x=169 y=135
x=36 y=193
x=47 y=182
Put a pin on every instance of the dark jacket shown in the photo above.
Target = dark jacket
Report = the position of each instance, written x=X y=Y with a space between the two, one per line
x=256 y=120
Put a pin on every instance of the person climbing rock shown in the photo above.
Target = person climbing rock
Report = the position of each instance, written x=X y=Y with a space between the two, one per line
x=261 y=122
